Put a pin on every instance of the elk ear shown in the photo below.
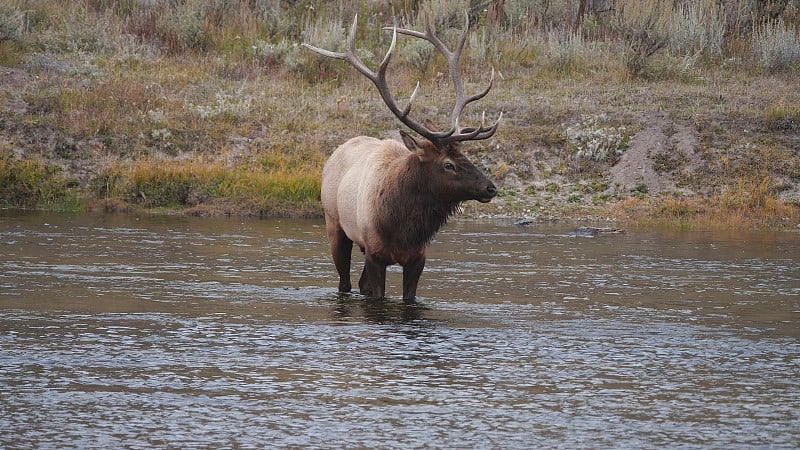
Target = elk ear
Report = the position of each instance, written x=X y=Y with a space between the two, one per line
x=409 y=141
x=424 y=150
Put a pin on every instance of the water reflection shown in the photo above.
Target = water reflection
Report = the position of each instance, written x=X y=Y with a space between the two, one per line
x=126 y=332
x=353 y=307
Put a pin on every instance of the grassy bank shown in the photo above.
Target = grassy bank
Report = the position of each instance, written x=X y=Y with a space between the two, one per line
x=212 y=107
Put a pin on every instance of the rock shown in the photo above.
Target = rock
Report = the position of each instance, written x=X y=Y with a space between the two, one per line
x=592 y=231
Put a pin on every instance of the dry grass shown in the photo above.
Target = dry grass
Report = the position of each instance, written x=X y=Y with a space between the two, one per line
x=213 y=106
x=735 y=210
x=25 y=184
x=209 y=187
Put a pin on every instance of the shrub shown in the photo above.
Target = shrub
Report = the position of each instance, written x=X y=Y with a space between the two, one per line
x=574 y=198
x=596 y=141
x=268 y=54
x=697 y=28
x=565 y=49
x=122 y=8
x=643 y=25
x=520 y=14
x=326 y=34
x=235 y=106
x=443 y=15
x=776 y=46
x=11 y=23
x=418 y=54
x=184 y=28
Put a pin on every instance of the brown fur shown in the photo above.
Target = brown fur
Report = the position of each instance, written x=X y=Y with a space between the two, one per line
x=391 y=201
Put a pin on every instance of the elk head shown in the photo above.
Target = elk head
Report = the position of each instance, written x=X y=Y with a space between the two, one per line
x=456 y=178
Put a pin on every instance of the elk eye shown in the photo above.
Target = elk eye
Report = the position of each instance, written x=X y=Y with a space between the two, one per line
x=449 y=166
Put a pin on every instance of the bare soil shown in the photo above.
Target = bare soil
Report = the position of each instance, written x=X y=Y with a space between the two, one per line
x=636 y=168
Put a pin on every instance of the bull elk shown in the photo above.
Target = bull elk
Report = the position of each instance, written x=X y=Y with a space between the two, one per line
x=391 y=198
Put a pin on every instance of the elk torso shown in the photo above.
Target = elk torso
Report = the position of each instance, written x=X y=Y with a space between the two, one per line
x=352 y=177
x=380 y=195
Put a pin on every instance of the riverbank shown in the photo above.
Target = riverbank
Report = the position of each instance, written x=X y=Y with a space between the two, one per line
x=97 y=114
x=701 y=169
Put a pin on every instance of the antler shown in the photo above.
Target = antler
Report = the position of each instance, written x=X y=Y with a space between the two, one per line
x=452 y=57
x=438 y=138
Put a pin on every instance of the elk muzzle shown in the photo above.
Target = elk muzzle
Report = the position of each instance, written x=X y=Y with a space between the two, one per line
x=489 y=194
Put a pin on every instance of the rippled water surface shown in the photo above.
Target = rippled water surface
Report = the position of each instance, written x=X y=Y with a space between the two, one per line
x=139 y=332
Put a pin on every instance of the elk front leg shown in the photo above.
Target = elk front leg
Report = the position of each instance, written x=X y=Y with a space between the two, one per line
x=342 y=251
x=373 y=279
x=363 y=283
x=412 y=270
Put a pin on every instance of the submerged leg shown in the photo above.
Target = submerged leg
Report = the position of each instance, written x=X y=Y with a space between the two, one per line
x=373 y=278
x=412 y=270
x=341 y=250
x=363 y=283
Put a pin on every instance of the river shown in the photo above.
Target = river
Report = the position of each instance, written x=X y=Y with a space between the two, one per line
x=126 y=331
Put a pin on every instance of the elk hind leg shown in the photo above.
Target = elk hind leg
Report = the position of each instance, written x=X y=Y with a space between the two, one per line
x=363 y=283
x=342 y=251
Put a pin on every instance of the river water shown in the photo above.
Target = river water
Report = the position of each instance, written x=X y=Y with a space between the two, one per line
x=120 y=331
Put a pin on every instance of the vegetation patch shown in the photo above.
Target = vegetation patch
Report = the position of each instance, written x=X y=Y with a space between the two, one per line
x=747 y=205
x=30 y=183
x=154 y=184
x=782 y=117
x=213 y=107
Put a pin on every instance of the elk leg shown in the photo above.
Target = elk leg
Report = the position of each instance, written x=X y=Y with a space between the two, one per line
x=412 y=270
x=342 y=251
x=374 y=277
x=363 y=283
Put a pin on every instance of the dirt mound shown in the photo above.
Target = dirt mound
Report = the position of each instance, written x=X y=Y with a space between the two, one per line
x=657 y=158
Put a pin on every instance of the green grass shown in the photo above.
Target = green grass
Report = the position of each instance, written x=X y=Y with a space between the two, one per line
x=30 y=184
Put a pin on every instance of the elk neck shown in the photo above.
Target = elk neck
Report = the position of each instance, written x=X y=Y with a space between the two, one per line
x=410 y=213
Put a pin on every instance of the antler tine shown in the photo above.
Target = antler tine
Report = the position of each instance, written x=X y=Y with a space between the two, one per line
x=411 y=100
x=461 y=101
x=379 y=80
x=480 y=133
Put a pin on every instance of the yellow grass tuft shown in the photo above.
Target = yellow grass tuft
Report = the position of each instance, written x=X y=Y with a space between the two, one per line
x=735 y=210
x=171 y=184
x=30 y=183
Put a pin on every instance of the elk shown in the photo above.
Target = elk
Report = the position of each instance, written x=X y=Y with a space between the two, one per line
x=391 y=198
